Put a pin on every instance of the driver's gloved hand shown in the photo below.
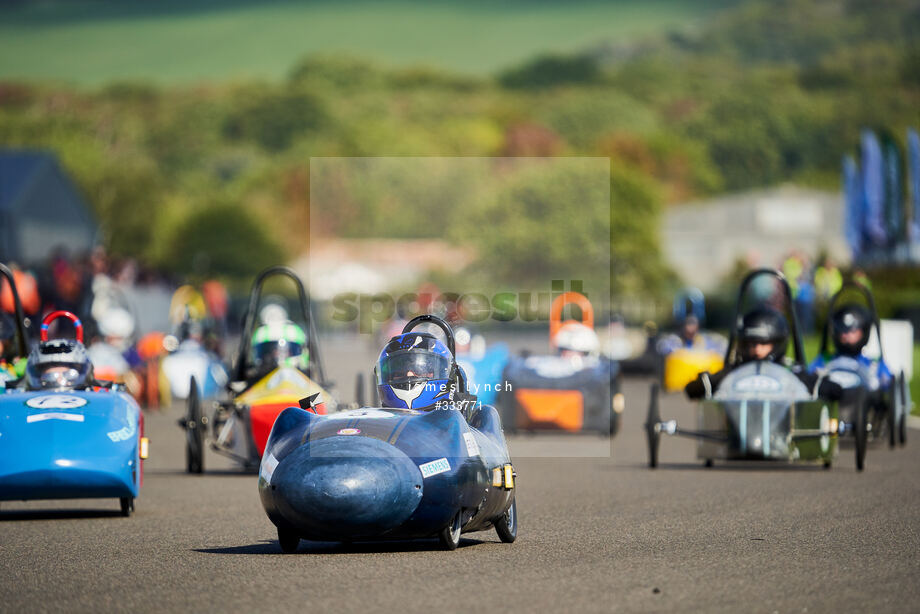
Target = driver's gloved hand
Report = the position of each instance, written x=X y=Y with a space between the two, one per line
x=832 y=391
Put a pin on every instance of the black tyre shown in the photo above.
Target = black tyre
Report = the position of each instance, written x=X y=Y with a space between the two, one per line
x=614 y=424
x=506 y=526
x=127 y=505
x=652 y=433
x=860 y=433
x=359 y=390
x=617 y=406
x=450 y=535
x=905 y=409
x=194 y=448
x=894 y=410
x=288 y=540
x=708 y=463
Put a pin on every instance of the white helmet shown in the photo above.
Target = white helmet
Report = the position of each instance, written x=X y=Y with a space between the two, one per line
x=273 y=314
x=576 y=337
x=116 y=322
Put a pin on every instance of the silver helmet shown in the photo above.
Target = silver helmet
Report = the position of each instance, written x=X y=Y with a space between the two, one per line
x=59 y=364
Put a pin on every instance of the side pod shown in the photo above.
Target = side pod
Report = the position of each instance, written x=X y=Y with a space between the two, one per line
x=287 y=433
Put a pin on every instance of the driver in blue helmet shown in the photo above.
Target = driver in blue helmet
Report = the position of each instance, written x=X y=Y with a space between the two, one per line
x=850 y=326
x=764 y=336
x=414 y=371
x=688 y=336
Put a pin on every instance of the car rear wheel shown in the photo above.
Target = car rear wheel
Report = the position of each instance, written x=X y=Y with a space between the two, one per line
x=359 y=390
x=652 y=432
x=127 y=505
x=450 y=535
x=506 y=526
x=288 y=540
x=902 y=391
x=894 y=411
x=194 y=448
x=860 y=433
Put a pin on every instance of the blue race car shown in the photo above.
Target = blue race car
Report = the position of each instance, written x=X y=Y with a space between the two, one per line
x=877 y=400
x=63 y=435
x=483 y=366
x=431 y=462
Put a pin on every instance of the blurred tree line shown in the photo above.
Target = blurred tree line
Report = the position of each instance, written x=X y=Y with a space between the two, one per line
x=217 y=177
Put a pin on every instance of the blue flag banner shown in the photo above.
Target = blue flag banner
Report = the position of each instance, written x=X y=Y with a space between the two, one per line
x=853 y=206
x=913 y=165
x=894 y=190
x=873 y=184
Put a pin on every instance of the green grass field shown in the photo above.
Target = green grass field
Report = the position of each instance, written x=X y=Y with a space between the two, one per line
x=212 y=40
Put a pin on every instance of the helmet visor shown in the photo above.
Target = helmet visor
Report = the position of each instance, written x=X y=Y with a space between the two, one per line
x=413 y=367
x=276 y=351
x=757 y=349
x=849 y=321
x=59 y=376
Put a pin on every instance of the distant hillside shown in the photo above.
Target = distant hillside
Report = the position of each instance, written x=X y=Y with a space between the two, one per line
x=761 y=94
x=181 y=41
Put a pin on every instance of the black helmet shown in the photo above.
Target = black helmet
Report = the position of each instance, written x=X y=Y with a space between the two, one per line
x=764 y=325
x=59 y=364
x=846 y=319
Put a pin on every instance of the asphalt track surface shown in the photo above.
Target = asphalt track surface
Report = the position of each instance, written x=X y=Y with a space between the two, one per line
x=597 y=533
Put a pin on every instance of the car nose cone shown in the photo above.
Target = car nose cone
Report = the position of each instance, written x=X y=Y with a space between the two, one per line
x=346 y=487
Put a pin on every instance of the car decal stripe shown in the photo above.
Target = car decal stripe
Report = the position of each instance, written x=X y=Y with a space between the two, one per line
x=398 y=430
x=766 y=428
x=393 y=432
x=742 y=425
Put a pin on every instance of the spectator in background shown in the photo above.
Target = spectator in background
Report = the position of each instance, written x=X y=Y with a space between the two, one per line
x=68 y=285
x=12 y=367
x=793 y=267
x=26 y=288
x=127 y=273
x=805 y=303
x=860 y=277
x=828 y=281
x=103 y=286
x=218 y=304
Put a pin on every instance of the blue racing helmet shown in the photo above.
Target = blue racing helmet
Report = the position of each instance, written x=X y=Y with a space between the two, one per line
x=413 y=371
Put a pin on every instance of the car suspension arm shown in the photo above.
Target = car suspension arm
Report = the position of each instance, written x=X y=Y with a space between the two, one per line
x=670 y=428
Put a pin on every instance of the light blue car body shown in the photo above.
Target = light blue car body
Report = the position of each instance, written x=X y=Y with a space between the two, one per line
x=69 y=444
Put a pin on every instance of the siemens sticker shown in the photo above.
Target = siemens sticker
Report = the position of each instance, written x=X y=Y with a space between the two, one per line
x=434 y=467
